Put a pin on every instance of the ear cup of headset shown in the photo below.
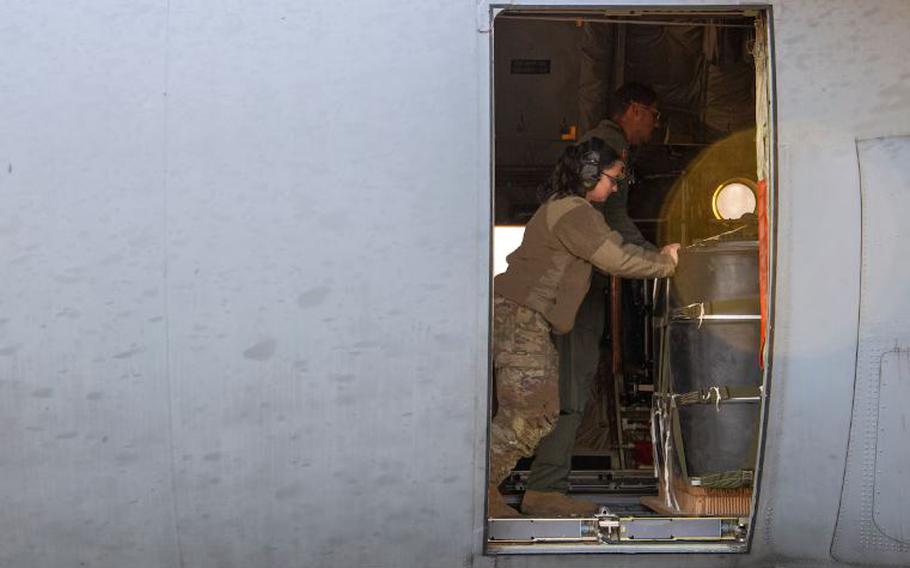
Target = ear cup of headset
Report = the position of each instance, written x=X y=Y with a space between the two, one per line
x=590 y=168
x=590 y=163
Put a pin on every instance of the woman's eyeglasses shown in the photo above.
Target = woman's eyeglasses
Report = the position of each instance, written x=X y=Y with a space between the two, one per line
x=614 y=179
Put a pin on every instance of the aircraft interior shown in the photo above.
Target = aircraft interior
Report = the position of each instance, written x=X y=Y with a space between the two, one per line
x=668 y=444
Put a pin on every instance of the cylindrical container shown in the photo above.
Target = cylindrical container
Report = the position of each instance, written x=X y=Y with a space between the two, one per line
x=722 y=272
x=713 y=334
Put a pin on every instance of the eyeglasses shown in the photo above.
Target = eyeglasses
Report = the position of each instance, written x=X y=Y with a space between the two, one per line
x=615 y=179
x=654 y=112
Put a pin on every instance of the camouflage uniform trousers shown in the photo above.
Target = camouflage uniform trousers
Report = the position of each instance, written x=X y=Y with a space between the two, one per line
x=526 y=378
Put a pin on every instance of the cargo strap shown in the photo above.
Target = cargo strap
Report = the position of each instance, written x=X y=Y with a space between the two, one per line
x=678 y=441
x=664 y=409
x=726 y=479
x=734 y=308
x=718 y=394
x=701 y=242
x=671 y=404
x=671 y=409
x=667 y=403
x=722 y=480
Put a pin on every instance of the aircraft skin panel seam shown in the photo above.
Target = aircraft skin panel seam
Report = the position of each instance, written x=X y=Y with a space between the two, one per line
x=858 y=534
x=846 y=476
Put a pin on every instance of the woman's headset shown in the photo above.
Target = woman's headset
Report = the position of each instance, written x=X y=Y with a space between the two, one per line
x=590 y=164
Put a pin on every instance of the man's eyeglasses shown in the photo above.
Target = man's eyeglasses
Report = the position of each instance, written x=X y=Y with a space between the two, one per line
x=654 y=112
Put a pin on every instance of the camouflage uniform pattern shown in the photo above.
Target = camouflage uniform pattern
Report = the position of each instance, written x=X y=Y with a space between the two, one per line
x=526 y=378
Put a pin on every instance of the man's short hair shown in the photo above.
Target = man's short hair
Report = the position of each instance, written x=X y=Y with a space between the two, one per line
x=631 y=93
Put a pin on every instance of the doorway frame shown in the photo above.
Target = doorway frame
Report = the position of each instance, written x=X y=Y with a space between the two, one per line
x=486 y=25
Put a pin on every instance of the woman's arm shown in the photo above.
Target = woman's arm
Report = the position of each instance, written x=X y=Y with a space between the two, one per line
x=585 y=234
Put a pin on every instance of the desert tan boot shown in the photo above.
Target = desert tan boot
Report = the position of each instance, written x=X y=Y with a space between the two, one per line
x=555 y=504
x=497 y=506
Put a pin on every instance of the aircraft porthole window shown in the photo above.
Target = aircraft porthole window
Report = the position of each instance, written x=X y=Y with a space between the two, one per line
x=733 y=199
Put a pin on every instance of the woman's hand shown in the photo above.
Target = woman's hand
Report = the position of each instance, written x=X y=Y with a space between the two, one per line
x=671 y=251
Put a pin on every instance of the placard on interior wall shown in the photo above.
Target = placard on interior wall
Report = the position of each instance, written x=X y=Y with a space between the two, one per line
x=530 y=66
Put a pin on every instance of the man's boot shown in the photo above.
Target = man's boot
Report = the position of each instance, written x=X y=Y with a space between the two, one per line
x=555 y=504
x=497 y=506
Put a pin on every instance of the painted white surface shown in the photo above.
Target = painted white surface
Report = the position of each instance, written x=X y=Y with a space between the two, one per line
x=215 y=348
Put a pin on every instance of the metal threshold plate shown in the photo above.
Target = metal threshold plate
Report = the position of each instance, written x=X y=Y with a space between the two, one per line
x=726 y=547
x=526 y=530
x=609 y=532
x=670 y=529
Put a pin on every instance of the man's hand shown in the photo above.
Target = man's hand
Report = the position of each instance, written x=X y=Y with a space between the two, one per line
x=672 y=251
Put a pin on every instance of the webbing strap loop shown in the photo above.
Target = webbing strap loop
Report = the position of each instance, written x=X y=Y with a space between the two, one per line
x=714 y=395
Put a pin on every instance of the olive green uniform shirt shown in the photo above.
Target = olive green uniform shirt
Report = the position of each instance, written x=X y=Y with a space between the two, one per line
x=551 y=271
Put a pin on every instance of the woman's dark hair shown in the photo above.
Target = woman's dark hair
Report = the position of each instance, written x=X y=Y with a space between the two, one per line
x=577 y=170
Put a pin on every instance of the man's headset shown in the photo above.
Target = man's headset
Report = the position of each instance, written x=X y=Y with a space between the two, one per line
x=590 y=164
